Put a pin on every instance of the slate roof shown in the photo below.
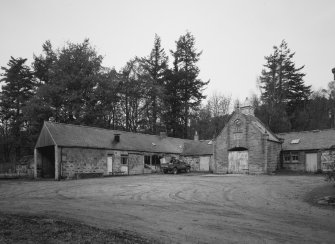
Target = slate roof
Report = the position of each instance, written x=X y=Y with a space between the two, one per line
x=262 y=128
x=67 y=135
x=198 y=148
x=309 y=140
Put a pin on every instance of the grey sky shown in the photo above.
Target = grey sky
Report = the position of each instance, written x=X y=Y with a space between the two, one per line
x=234 y=35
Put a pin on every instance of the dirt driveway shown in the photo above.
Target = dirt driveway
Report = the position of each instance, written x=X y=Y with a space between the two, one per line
x=182 y=208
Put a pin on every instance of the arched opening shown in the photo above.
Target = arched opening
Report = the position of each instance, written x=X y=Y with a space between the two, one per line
x=238 y=149
x=238 y=160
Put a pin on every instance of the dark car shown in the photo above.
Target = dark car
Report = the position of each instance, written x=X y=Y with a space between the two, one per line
x=175 y=166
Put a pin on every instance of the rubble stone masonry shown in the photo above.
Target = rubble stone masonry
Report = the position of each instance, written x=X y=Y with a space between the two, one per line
x=263 y=154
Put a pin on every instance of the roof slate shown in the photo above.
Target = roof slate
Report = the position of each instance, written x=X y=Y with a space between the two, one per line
x=262 y=128
x=67 y=135
x=198 y=148
x=309 y=140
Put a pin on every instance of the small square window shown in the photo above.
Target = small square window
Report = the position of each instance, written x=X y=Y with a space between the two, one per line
x=124 y=160
x=295 y=157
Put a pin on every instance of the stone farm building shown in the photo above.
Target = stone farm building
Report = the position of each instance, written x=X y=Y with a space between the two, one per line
x=310 y=151
x=245 y=145
x=71 y=151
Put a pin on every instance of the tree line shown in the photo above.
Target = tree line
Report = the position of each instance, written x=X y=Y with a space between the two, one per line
x=148 y=94
x=70 y=85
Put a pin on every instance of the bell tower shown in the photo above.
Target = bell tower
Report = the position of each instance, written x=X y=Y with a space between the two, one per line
x=247 y=108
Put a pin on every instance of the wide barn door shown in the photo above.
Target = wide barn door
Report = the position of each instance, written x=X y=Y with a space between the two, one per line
x=204 y=163
x=311 y=162
x=238 y=162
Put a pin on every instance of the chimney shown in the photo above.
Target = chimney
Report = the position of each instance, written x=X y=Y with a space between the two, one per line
x=116 y=137
x=196 y=136
x=247 y=108
x=162 y=134
x=333 y=71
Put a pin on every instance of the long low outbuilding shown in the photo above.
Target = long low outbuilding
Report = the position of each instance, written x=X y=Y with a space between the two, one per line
x=72 y=151
x=310 y=151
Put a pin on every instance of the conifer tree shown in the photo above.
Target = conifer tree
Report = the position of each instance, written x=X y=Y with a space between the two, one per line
x=186 y=72
x=18 y=88
x=155 y=66
x=283 y=88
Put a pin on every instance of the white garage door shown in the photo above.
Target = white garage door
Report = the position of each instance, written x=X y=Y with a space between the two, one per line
x=204 y=163
x=311 y=162
x=238 y=162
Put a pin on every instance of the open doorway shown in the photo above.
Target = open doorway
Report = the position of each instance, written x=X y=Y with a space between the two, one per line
x=47 y=166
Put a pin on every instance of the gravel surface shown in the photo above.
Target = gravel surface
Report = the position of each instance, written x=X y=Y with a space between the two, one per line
x=182 y=208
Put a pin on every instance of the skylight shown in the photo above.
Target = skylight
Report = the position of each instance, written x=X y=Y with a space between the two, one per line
x=295 y=141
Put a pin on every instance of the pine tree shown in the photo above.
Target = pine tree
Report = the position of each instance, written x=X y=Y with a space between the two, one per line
x=191 y=87
x=18 y=88
x=283 y=89
x=155 y=66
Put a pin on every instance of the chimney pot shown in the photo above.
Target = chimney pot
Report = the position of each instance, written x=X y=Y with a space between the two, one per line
x=196 y=136
x=117 y=137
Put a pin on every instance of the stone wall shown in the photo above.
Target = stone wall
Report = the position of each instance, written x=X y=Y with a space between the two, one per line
x=86 y=161
x=136 y=164
x=273 y=156
x=82 y=160
x=194 y=162
x=211 y=164
x=325 y=160
x=221 y=151
x=294 y=166
x=257 y=148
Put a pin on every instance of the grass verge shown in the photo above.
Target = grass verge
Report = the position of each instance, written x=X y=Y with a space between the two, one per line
x=24 y=228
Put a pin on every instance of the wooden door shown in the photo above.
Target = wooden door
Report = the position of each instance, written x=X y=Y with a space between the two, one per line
x=238 y=162
x=311 y=162
x=109 y=164
x=204 y=163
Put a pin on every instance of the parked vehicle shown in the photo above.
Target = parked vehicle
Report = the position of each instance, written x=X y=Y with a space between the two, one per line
x=175 y=166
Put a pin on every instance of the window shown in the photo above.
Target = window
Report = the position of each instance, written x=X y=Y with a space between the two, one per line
x=124 y=159
x=295 y=157
x=287 y=158
x=147 y=159
x=156 y=160
x=292 y=157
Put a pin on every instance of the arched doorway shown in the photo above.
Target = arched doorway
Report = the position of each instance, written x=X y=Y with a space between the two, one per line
x=238 y=161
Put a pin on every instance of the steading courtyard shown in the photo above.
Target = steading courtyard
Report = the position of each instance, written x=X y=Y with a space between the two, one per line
x=183 y=208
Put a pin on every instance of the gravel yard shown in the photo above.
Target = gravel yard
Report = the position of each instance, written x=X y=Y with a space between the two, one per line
x=182 y=208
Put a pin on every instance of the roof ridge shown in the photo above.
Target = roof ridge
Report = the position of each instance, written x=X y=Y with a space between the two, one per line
x=267 y=129
x=306 y=131
x=99 y=128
